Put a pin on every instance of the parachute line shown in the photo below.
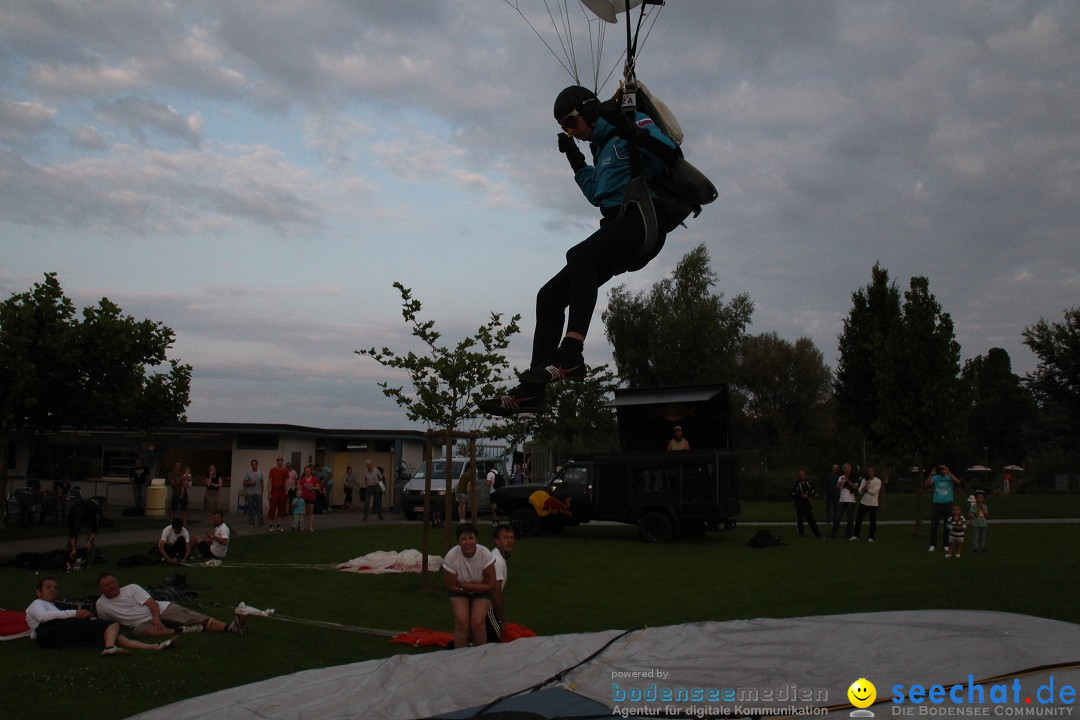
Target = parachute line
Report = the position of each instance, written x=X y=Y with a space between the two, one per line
x=536 y=32
x=563 y=23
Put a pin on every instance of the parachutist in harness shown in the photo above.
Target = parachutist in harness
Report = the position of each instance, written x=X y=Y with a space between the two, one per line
x=627 y=149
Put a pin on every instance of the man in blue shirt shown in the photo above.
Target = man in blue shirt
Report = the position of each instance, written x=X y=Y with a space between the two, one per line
x=943 y=483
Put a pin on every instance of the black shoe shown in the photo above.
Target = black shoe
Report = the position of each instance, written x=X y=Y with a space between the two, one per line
x=566 y=365
x=522 y=399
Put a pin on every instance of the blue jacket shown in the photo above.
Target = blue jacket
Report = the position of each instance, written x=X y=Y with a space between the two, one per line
x=604 y=183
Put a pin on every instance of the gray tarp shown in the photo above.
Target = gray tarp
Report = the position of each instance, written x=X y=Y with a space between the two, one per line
x=762 y=666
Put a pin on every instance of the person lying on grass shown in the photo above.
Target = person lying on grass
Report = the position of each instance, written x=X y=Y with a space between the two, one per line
x=134 y=608
x=56 y=628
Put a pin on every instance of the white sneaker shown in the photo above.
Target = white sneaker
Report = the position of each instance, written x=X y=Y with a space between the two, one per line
x=238 y=626
x=931 y=548
x=948 y=554
x=115 y=651
x=853 y=539
x=870 y=540
x=185 y=629
x=166 y=645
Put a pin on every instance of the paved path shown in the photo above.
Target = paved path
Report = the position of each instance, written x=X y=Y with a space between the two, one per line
x=149 y=536
x=343 y=519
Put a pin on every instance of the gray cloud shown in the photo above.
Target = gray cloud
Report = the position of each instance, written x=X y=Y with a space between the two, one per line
x=938 y=138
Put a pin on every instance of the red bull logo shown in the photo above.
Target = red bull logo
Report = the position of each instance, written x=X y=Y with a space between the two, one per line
x=546 y=504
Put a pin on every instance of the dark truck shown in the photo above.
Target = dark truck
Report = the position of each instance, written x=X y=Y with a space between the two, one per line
x=665 y=493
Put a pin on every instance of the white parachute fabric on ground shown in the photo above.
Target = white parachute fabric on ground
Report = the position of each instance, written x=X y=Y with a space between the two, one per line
x=391 y=561
x=767 y=661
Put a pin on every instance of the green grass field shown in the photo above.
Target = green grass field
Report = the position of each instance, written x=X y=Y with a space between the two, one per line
x=587 y=578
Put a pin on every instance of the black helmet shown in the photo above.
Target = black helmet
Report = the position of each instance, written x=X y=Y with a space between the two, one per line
x=572 y=98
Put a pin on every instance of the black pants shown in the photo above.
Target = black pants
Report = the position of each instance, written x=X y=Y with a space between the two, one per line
x=176 y=549
x=832 y=503
x=940 y=514
x=805 y=511
x=844 y=509
x=863 y=510
x=613 y=249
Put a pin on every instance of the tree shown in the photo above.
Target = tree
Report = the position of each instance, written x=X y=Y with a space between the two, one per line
x=873 y=319
x=104 y=368
x=679 y=332
x=1057 y=376
x=918 y=385
x=897 y=380
x=578 y=417
x=446 y=381
x=785 y=388
x=1001 y=407
x=1055 y=383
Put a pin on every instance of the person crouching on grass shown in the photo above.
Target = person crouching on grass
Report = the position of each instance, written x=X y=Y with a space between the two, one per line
x=469 y=578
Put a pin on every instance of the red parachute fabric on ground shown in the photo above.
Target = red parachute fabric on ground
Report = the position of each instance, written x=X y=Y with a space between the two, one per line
x=422 y=637
x=13 y=624
x=512 y=631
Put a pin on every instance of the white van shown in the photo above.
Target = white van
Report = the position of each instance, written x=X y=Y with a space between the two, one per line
x=412 y=499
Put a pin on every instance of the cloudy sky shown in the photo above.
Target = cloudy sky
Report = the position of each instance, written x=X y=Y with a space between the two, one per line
x=256 y=175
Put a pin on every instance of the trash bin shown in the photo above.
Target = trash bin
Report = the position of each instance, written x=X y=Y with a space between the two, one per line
x=156 y=495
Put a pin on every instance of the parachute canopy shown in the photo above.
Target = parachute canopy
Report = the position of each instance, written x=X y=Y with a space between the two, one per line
x=607 y=9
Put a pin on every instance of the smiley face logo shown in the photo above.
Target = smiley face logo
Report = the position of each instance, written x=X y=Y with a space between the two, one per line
x=862 y=693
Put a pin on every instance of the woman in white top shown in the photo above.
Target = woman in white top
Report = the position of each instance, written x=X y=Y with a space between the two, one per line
x=469 y=578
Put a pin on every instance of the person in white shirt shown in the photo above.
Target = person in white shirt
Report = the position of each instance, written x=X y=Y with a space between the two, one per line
x=175 y=543
x=469 y=579
x=496 y=616
x=870 y=490
x=56 y=628
x=216 y=543
x=134 y=608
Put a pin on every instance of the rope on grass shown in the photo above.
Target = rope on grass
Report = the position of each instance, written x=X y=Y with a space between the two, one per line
x=337 y=626
x=290 y=566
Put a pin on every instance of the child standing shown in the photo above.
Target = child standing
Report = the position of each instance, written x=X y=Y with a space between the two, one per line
x=298 y=513
x=955 y=525
x=978 y=514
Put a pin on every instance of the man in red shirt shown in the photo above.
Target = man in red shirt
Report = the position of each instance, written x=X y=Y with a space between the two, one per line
x=279 y=498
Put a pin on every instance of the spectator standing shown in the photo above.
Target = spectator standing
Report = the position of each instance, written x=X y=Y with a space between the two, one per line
x=373 y=485
x=870 y=496
x=803 y=494
x=847 y=487
x=178 y=500
x=326 y=486
x=954 y=525
x=279 y=497
x=349 y=486
x=253 y=488
x=212 y=496
x=309 y=484
x=979 y=517
x=832 y=493
x=140 y=476
x=943 y=482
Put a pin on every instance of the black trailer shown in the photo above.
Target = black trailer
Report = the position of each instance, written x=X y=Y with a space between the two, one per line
x=665 y=493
